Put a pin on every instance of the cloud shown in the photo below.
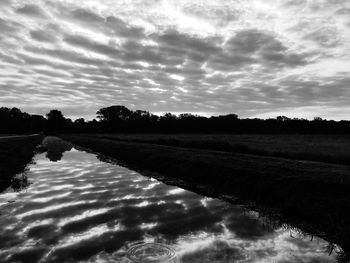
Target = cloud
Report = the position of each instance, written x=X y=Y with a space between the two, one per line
x=174 y=40
x=342 y=11
x=49 y=34
x=220 y=14
x=31 y=10
x=122 y=29
x=247 y=57
x=317 y=91
x=8 y=26
x=86 y=16
x=10 y=59
x=326 y=37
x=265 y=46
x=5 y=3
x=252 y=41
x=91 y=45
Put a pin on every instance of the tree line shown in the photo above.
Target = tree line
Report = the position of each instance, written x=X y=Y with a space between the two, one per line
x=120 y=119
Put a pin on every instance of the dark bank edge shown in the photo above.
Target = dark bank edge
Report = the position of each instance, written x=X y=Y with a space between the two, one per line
x=15 y=154
x=313 y=195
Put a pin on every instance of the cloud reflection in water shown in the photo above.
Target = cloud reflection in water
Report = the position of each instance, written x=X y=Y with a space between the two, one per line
x=82 y=209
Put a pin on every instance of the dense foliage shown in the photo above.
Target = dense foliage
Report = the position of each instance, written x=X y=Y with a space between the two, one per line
x=120 y=119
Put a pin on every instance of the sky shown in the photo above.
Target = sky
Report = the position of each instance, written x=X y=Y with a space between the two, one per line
x=255 y=58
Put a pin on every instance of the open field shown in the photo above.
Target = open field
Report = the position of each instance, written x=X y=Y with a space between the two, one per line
x=314 y=194
x=15 y=153
x=323 y=148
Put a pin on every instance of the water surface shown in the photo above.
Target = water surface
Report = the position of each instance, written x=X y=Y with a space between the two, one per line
x=78 y=208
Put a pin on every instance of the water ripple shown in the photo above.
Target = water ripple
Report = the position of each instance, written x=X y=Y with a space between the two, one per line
x=151 y=253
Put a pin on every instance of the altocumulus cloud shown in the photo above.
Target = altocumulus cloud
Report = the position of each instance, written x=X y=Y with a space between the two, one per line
x=254 y=57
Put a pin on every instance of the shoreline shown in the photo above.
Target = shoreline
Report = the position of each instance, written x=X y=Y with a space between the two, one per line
x=313 y=193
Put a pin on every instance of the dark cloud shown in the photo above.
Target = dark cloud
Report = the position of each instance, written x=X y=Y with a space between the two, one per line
x=88 y=44
x=230 y=62
x=119 y=28
x=294 y=2
x=86 y=16
x=173 y=39
x=133 y=51
x=31 y=10
x=110 y=25
x=342 y=11
x=8 y=26
x=220 y=15
x=252 y=41
x=75 y=13
x=249 y=47
x=306 y=92
x=326 y=5
x=10 y=59
x=286 y=59
x=325 y=36
x=187 y=70
x=5 y=3
x=263 y=46
x=33 y=60
x=49 y=34
x=52 y=72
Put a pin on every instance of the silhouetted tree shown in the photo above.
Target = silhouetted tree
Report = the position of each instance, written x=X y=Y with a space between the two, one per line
x=14 y=121
x=140 y=115
x=55 y=116
x=282 y=118
x=37 y=123
x=318 y=119
x=142 y=121
x=56 y=121
x=114 y=113
x=79 y=125
x=167 y=123
x=80 y=121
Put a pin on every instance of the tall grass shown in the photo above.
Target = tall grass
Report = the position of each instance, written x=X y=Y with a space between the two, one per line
x=15 y=154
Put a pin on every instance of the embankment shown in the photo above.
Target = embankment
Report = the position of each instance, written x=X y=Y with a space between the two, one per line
x=15 y=153
x=313 y=194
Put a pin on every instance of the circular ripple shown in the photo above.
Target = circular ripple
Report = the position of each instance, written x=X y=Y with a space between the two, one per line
x=150 y=253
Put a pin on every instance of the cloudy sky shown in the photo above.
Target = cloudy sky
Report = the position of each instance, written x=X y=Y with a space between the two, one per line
x=256 y=58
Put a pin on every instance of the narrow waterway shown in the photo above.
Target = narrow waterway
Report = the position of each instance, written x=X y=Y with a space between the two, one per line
x=76 y=208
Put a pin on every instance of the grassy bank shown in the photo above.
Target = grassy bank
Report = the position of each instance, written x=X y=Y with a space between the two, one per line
x=323 y=148
x=15 y=154
x=313 y=194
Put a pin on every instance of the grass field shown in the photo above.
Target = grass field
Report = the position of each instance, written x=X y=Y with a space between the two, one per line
x=15 y=154
x=323 y=148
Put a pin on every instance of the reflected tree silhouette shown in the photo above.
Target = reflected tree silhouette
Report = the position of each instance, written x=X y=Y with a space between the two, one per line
x=55 y=148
